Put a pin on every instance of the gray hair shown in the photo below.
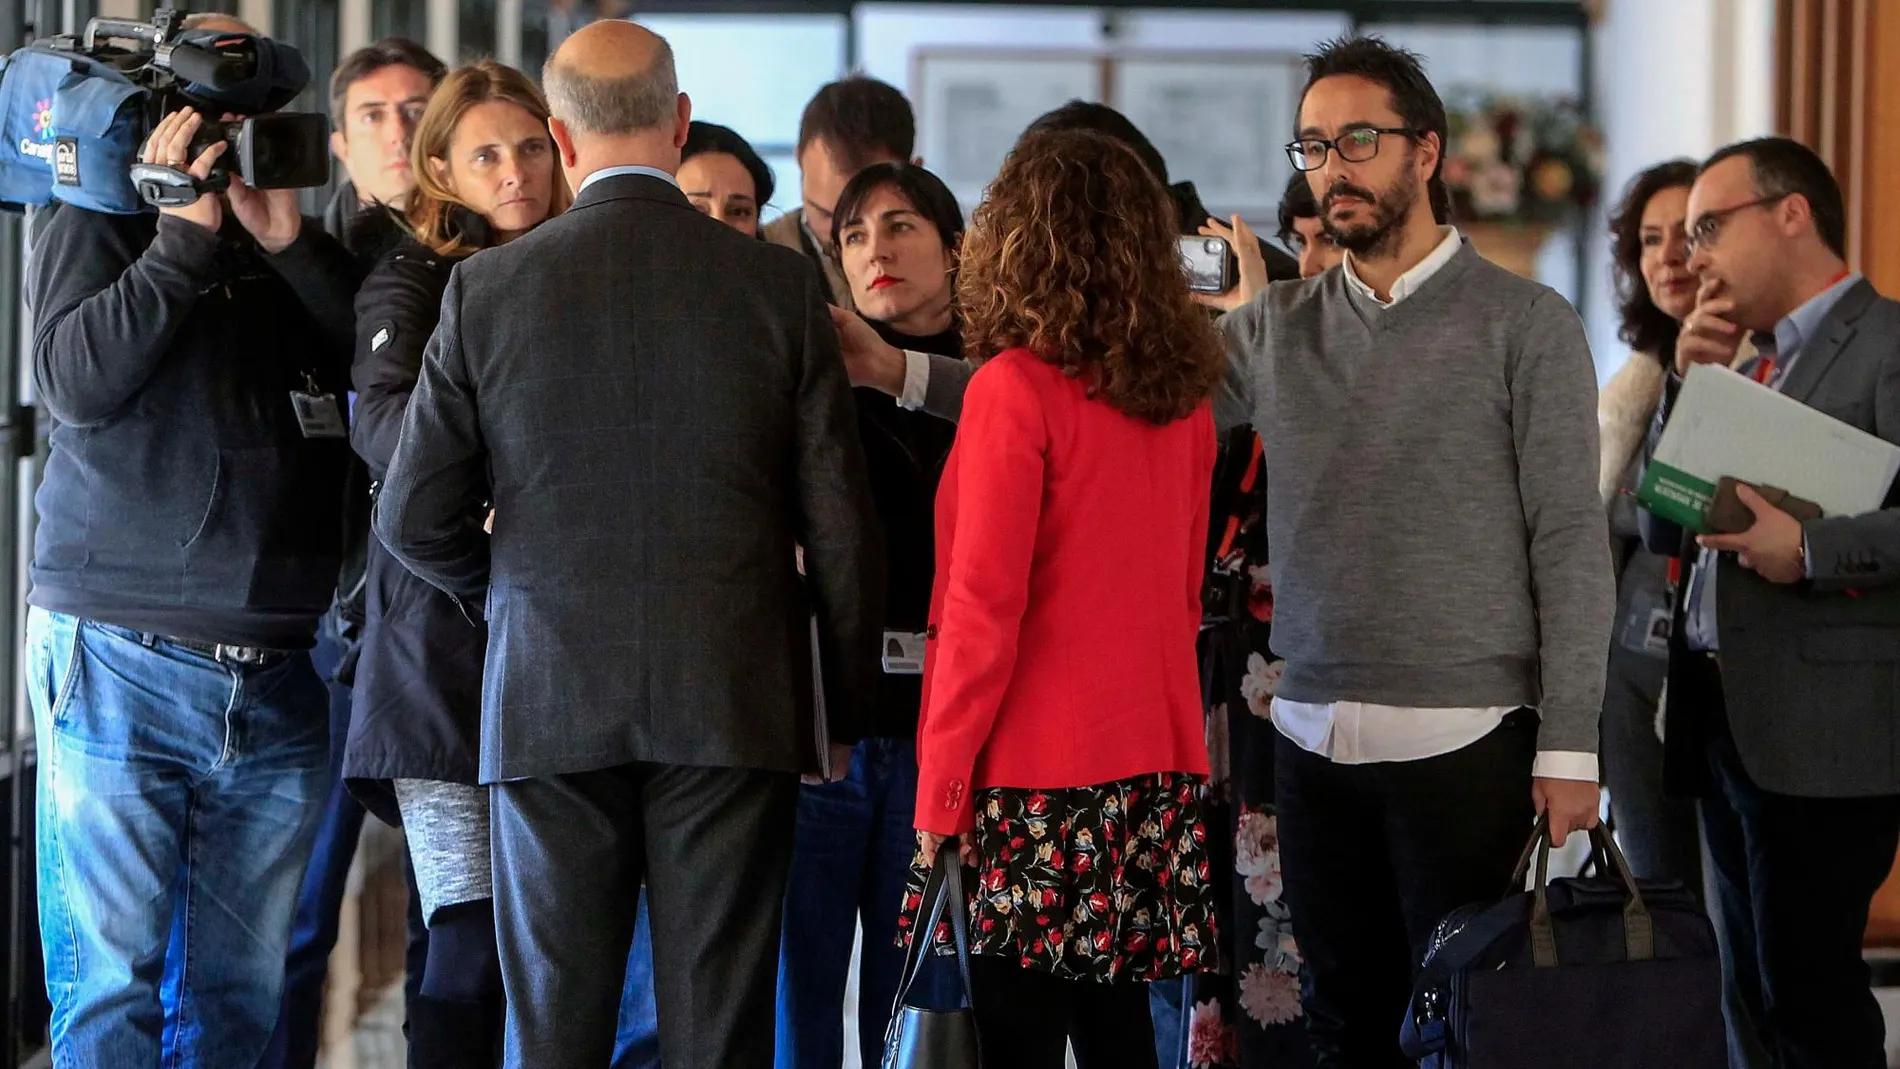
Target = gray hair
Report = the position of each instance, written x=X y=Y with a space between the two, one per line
x=609 y=106
x=213 y=19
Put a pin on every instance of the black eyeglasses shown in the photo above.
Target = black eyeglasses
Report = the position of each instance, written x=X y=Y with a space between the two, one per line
x=1708 y=227
x=1354 y=146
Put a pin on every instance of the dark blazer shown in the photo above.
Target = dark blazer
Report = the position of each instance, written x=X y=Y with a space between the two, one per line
x=656 y=407
x=1808 y=671
x=417 y=701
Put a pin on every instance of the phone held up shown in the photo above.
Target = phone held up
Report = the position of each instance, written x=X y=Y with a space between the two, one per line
x=1210 y=264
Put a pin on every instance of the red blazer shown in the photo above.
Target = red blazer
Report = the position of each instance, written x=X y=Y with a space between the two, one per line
x=1067 y=598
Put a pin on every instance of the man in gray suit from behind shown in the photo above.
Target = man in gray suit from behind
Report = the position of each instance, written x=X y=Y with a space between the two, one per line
x=1783 y=714
x=657 y=410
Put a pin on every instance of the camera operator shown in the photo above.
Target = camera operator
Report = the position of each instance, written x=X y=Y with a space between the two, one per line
x=194 y=362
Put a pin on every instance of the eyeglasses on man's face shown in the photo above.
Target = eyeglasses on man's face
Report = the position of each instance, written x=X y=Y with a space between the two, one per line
x=1356 y=145
x=1707 y=229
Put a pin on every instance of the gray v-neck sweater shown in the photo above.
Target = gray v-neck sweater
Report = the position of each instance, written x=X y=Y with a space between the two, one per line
x=1432 y=510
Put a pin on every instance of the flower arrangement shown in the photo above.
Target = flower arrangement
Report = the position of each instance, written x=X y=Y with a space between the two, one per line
x=1522 y=159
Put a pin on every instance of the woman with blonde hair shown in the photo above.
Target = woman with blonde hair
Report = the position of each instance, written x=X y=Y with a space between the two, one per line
x=1061 y=747
x=486 y=173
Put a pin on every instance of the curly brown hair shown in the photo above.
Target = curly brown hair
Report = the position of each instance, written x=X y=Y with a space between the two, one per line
x=1073 y=256
x=1645 y=328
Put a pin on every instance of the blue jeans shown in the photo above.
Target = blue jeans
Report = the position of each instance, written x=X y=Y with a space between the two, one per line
x=177 y=802
x=1170 y=1003
x=637 y=1046
x=320 y=901
x=856 y=838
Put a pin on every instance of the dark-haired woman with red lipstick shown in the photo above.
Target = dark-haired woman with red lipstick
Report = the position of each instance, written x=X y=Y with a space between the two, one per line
x=897 y=228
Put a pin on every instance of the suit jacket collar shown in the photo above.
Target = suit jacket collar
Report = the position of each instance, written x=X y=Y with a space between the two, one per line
x=630 y=187
x=1835 y=331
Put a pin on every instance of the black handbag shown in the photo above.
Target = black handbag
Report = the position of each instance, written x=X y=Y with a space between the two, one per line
x=936 y=1039
x=1581 y=973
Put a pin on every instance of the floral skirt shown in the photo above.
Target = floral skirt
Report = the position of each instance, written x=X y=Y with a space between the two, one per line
x=1102 y=883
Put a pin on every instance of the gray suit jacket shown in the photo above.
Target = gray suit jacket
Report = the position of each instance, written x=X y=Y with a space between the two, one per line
x=1809 y=671
x=657 y=410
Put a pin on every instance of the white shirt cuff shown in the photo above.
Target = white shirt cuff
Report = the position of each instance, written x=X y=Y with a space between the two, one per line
x=916 y=380
x=1565 y=764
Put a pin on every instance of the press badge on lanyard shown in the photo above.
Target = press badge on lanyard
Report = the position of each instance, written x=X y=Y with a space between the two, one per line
x=317 y=412
x=903 y=653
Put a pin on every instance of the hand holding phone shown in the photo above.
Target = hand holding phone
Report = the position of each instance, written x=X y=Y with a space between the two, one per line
x=1250 y=267
x=1209 y=263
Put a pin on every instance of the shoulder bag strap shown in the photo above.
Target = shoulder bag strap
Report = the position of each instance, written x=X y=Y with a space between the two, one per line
x=943 y=892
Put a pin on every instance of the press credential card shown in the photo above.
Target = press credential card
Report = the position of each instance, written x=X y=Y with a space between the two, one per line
x=1725 y=423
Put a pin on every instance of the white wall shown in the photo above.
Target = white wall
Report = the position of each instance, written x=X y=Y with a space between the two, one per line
x=1674 y=78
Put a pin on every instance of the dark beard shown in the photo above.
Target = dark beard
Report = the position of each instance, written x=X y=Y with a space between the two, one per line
x=1379 y=236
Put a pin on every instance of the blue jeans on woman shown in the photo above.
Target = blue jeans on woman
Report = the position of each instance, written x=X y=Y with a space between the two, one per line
x=856 y=838
x=178 y=797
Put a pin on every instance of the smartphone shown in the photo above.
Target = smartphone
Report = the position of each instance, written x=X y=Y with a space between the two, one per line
x=1209 y=264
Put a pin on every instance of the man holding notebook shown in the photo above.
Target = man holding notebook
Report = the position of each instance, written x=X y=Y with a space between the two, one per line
x=1786 y=651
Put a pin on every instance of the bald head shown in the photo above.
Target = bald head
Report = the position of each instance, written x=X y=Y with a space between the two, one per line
x=219 y=23
x=612 y=79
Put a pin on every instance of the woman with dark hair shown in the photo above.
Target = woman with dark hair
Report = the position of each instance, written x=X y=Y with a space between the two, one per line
x=486 y=173
x=1655 y=290
x=1061 y=747
x=897 y=228
x=723 y=177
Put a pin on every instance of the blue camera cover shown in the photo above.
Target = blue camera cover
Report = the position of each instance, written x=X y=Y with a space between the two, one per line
x=69 y=130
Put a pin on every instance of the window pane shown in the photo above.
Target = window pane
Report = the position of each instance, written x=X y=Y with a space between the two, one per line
x=475 y=31
x=400 y=18
x=754 y=73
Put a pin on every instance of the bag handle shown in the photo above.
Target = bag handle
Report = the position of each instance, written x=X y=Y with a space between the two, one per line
x=943 y=892
x=1639 y=931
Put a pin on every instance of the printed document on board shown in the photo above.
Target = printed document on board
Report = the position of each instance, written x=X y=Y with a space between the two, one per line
x=1725 y=423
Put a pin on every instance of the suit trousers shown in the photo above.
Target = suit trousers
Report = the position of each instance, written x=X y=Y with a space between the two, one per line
x=1792 y=880
x=714 y=846
x=1375 y=855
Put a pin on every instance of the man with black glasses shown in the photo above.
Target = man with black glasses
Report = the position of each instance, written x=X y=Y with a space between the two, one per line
x=1441 y=564
x=1781 y=713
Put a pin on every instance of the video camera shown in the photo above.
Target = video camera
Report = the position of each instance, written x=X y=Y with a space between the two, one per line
x=76 y=109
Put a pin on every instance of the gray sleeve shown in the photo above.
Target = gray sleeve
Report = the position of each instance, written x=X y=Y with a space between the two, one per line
x=1554 y=423
x=949 y=377
x=1862 y=552
x=1233 y=396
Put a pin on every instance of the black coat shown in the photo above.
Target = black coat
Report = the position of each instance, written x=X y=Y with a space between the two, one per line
x=904 y=453
x=181 y=496
x=416 y=709
x=368 y=233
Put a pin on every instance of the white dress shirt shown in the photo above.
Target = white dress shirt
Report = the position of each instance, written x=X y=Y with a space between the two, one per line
x=916 y=380
x=1356 y=733
x=616 y=172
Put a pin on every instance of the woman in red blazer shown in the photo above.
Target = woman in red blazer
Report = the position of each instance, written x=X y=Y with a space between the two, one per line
x=1062 y=734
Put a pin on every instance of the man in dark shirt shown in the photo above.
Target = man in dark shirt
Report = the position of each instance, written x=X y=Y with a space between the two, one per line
x=848 y=126
x=195 y=363
x=377 y=95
